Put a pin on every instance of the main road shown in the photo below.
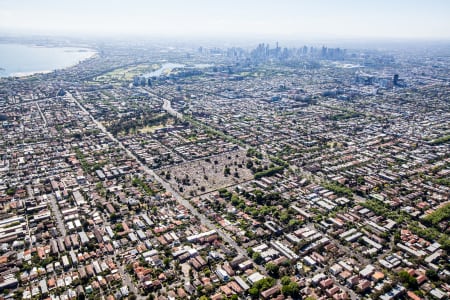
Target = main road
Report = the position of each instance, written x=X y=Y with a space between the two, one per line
x=57 y=213
x=203 y=219
x=168 y=107
x=42 y=114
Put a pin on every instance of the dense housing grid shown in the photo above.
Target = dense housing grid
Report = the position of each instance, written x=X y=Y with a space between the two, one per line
x=309 y=172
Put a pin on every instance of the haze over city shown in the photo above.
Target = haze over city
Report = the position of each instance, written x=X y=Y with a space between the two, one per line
x=406 y=19
x=224 y=150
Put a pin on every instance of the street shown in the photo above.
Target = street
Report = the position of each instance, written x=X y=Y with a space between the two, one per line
x=203 y=219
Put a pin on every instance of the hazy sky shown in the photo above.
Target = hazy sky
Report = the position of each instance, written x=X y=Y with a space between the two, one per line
x=428 y=19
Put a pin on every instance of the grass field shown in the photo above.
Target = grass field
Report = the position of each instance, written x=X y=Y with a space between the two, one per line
x=126 y=73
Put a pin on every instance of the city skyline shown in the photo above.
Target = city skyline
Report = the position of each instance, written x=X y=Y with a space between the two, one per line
x=224 y=151
x=256 y=19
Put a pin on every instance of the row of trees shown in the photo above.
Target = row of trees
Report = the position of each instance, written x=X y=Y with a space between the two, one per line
x=442 y=140
x=269 y=172
x=440 y=214
x=289 y=288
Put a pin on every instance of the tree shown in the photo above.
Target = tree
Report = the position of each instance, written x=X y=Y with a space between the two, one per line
x=119 y=227
x=254 y=292
x=292 y=289
x=360 y=180
x=256 y=256
x=432 y=274
x=227 y=171
x=273 y=269
x=129 y=268
x=289 y=287
x=285 y=280
x=284 y=217
x=261 y=285
x=235 y=200
x=166 y=262
x=293 y=222
x=11 y=191
x=442 y=213
x=408 y=280
x=249 y=164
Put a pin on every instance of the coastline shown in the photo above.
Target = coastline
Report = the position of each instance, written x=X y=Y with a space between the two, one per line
x=25 y=74
x=30 y=73
x=90 y=53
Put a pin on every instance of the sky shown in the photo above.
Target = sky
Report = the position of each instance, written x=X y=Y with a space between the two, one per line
x=371 y=19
